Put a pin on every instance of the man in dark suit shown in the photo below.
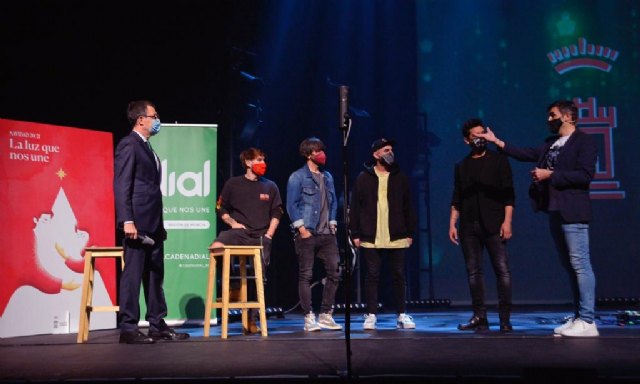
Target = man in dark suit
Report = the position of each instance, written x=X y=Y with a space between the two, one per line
x=483 y=200
x=138 y=203
x=566 y=163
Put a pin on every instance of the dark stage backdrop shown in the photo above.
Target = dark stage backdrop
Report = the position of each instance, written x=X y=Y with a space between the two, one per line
x=267 y=72
x=304 y=51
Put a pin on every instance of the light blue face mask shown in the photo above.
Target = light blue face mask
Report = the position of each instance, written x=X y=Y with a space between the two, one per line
x=155 y=127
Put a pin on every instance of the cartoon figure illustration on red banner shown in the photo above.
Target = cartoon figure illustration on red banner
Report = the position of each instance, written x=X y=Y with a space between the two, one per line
x=58 y=201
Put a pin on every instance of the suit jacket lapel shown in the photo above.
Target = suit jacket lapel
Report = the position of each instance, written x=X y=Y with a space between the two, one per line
x=147 y=148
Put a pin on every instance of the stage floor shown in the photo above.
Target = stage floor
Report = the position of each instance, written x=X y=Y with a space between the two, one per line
x=434 y=352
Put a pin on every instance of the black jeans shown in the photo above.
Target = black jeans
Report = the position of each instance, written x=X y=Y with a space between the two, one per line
x=372 y=260
x=473 y=241
x=325 y=248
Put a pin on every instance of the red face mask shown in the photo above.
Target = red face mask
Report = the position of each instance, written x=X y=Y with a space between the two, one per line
x=259 y=169
x=320 y=158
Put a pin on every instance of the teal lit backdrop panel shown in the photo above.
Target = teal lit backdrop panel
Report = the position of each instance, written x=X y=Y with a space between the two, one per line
x=505 y=61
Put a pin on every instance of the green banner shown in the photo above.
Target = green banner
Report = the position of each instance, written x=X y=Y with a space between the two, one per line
x=188 y=156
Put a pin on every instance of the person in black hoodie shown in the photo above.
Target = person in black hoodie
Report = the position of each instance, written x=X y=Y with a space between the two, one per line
x=382 y=223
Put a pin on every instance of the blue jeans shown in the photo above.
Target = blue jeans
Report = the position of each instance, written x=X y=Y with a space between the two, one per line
x=572 y=242
x=325 y=248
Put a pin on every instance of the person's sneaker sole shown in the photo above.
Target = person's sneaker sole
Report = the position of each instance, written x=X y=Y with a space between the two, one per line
x=590 y=333
x=330 y=327
x=582 y=335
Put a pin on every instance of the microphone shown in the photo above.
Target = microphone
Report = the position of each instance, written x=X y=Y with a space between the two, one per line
x=146 y=240
x=343 y=116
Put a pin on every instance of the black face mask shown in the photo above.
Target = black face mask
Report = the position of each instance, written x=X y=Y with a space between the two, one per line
x=554 y=125
x=478 y=144
x=388 y=158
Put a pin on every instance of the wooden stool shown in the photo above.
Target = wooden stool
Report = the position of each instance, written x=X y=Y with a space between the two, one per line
x=227 y=252
x=86 y=306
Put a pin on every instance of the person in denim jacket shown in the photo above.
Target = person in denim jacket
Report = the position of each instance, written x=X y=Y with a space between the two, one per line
x=312 y=207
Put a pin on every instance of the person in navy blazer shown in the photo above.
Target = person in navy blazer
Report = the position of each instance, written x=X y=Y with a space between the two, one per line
x=138 y=202
x=483 y=199
x=565 y=166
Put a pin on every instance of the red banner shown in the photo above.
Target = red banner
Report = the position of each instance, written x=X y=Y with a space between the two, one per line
x=56 y=192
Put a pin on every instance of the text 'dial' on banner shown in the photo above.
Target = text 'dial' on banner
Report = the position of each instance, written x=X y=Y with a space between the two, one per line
x=187 y=154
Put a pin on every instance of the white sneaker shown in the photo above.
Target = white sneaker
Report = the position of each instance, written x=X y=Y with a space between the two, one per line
x=581 y=328
x=325 y=320
x=310 y=324
x=558 y=330
x=405 y=321
x=369 y=321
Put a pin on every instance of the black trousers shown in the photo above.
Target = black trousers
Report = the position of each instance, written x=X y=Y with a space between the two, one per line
x=325 y=248
x=373 y=260
x=143 y=265
x=474 y=239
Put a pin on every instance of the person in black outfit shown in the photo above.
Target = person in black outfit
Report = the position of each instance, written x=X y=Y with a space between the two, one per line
x=138 y=202
x=483 y=200
x=252 y=207
x=382 y=223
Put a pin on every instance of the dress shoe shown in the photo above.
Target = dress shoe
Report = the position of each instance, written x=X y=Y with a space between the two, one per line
x=253 y=328
x=505 y=326
x=168 y=334
x=135 y=337
x=475 y=324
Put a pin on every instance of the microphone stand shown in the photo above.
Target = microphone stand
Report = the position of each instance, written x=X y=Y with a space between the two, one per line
x=346 y=128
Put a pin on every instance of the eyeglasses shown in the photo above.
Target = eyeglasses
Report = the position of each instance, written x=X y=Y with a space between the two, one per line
x=152 y=116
